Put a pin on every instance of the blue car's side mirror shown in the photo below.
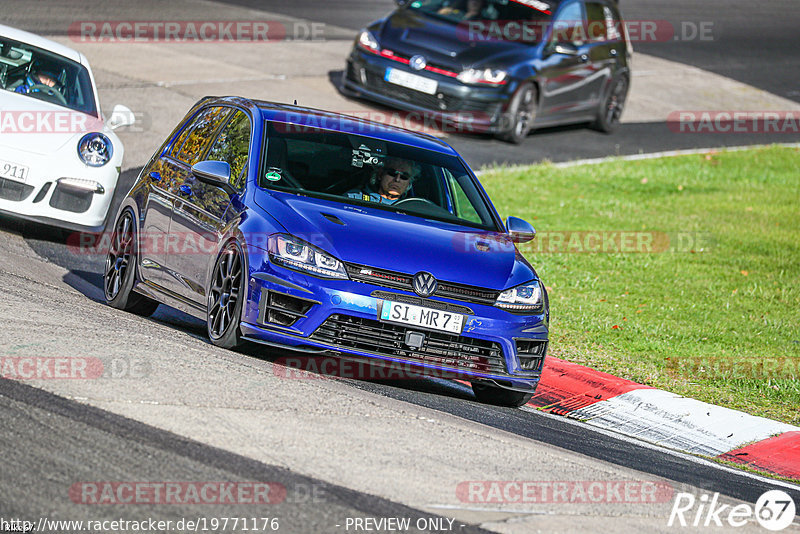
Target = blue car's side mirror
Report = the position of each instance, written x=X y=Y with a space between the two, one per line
x=216 y=173
x=521 y=231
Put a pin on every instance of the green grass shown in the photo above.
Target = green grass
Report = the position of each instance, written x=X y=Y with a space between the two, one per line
x=716 y=320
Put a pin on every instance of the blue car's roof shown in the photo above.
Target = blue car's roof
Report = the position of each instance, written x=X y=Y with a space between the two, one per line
x=337 y=122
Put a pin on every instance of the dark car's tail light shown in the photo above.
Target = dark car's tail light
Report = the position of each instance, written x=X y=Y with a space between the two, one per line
x=531 y=353
x=282 y=309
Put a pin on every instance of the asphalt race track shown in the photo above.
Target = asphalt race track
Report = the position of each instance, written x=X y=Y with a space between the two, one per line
x=341 y=448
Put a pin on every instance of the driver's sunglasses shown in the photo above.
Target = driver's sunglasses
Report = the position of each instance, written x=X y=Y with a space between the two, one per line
x=400 y=175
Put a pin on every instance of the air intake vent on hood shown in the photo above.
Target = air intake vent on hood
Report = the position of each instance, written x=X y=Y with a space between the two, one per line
x=333 y=219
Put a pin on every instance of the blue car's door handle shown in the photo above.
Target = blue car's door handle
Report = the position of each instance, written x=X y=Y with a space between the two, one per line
x=186 y=190
x=155 y=176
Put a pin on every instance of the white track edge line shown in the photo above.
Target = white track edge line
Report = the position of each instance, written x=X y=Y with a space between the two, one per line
x=673 y=452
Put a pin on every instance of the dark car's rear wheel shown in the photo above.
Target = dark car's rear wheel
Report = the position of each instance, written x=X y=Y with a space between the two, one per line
x=225 y=297
x=610 y=112
x=521 y=114
x=499 y=396
x=120 y=270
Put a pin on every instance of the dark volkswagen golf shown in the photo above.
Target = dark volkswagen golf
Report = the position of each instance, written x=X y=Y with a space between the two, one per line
x=498 y=66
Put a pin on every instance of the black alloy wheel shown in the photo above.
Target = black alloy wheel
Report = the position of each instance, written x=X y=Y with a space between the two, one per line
x=120 y=270
x=522 y=113
x=499 y=396
x=610 y=112
x=225 y=298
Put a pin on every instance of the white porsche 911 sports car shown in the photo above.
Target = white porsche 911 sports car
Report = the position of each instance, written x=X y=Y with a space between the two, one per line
x=59 y=158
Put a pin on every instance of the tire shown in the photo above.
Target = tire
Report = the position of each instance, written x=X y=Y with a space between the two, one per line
x=610 y=111
x=500 y=396
x=522 y=112
x=225 y=298
x=120 y=269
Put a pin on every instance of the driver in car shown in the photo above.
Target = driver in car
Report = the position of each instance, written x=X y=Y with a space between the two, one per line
x=390 y=183
x=37 y=78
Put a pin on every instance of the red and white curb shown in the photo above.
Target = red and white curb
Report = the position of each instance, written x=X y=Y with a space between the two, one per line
x=666 y=419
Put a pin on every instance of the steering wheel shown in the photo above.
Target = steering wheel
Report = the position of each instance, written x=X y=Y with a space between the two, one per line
x=49 y=91
x=424 y=206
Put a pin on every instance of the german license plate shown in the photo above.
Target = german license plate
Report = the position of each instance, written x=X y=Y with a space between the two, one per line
x=412 y=81
x=408 y=314
x=13 y=171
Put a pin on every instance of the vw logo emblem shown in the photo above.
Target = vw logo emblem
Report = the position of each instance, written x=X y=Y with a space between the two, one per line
x=424 y=284
x=418 y=62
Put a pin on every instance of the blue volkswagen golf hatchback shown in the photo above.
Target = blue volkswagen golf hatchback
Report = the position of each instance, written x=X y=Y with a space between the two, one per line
x=321 y=233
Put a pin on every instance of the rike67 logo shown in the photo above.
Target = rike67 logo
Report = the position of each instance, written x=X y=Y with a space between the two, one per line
x=774 y=510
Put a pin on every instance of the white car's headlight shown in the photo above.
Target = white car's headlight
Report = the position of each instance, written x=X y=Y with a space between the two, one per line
x=487 y=76
x=296 y=254
x=367 y=41
x=95 y=149
x=525 y=298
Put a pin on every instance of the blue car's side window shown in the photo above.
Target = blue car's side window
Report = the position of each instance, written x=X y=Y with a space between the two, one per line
x=195 y=138
x=233 y=146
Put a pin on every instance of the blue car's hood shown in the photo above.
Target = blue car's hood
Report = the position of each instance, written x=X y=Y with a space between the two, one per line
x=445 y=43
x=399 y=242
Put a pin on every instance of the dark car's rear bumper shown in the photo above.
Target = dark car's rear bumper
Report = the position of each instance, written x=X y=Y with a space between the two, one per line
x=464 y=108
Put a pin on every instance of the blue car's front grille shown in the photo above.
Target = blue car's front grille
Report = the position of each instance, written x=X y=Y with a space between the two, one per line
x=457 y=353
x=395 y=280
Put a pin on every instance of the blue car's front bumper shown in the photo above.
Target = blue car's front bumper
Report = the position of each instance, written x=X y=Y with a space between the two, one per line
x=469 y=109
x=305 y=313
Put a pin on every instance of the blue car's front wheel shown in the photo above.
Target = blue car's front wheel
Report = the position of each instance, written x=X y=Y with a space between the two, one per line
x=225 y=297
x=499 y=396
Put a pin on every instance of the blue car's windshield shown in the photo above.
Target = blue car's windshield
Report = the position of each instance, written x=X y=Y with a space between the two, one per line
x=362 y=170
x=37 y=73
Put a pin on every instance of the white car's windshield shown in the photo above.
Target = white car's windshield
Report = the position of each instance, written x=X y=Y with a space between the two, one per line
x=362 y=170
x=37 y=73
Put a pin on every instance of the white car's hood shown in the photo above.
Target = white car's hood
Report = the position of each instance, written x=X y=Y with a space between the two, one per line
x=40 y=127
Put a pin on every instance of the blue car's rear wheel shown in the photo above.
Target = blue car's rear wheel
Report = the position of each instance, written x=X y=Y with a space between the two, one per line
x=225 y=298
x=120 y=269
x=501 y=397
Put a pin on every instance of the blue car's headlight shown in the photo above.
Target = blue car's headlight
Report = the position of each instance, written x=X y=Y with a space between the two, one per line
x=95 y=149
x=525 y=298
x=294 y=253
